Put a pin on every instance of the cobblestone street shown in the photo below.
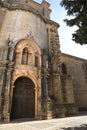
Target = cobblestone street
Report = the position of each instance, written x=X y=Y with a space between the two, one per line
x=68 y=123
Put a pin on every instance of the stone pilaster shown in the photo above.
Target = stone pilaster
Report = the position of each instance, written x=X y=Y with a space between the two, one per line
x=6 y=102
x=5 y=53
x=1 y=54
x=6 y=114
x=47 y=111
x=68 y=95
x=10 y=50
x=2 y=74
x=44 y=73
x=2 y=85
x=11 y=54
x=44 y=96
x=55 y=74
x=59 y=108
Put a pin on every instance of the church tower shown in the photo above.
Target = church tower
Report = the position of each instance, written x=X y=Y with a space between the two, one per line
x=30 y=66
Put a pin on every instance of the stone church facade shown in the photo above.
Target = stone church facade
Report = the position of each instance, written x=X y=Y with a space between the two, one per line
x=36 y=79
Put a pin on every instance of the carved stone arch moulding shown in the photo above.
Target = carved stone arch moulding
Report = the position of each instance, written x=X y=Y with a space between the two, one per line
x=30 y=76
x=37 y=89
x=28 y=43
x=32 y=48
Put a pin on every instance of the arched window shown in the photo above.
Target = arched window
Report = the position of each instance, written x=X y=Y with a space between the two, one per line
x=25 y=56
x=36 y=61
x=64 y=70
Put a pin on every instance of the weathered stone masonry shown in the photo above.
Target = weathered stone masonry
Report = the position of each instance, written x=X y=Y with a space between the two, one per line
x=36 y=79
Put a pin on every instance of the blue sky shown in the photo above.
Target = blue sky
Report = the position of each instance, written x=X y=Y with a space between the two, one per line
x=65 y=33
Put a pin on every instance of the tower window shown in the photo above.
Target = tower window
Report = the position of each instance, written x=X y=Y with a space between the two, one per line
x=64 y=70
x=25 y=56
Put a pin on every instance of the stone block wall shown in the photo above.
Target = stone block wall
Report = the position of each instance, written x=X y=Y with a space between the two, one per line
x=19 y=24
x=2 y=14
x=74 y=67
x=24 y=27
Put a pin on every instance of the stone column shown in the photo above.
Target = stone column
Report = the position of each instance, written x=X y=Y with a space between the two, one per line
x=11 y=53
x=39 y=92
x=48 y=39
x=46 y=82
x=10 y=97
x=1 y=54
x=4 y=53
x=2 y=72
x=6 y=107
x=44 y=94
x=43 y=74
x=47 y=102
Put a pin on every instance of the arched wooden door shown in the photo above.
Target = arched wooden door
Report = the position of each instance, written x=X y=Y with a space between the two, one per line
x=23 y=103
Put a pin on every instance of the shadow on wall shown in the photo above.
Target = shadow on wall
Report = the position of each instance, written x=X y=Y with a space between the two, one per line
x=82 y=127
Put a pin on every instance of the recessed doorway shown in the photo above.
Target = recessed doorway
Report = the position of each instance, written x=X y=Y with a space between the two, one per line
x=23 y=102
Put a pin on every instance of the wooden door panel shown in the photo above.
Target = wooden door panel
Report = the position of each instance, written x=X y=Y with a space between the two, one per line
x=23 y=105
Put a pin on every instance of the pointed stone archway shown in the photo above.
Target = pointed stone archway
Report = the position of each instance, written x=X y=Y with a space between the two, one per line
x=23 y=102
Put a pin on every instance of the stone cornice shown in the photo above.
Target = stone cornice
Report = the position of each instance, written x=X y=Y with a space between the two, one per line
x=73 y=57
x=28 y=9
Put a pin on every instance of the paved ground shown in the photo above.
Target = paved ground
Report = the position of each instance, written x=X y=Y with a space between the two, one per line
x=69 y=123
